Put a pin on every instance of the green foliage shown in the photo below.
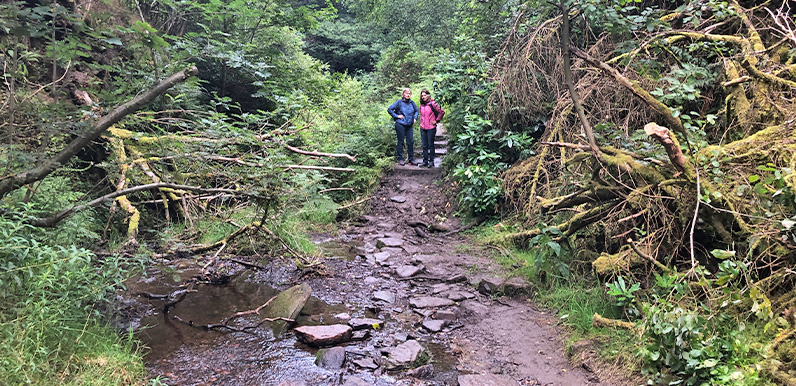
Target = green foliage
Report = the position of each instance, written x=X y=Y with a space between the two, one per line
x=401 y=65
x=50 y=326
x=689 y=342
x=624 y=296
x=480 y=151
x=689 y=348
x=346 y=44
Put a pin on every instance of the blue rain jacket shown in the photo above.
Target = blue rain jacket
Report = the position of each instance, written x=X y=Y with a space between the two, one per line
x=406 y=108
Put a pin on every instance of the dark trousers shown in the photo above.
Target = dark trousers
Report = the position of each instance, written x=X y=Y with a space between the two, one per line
x=406 y=132
x=427 y=139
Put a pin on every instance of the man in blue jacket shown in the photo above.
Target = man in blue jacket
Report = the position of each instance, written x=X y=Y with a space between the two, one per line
x=404 y=111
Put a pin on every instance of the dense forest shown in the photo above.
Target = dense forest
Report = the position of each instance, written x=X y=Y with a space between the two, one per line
x=639 y=152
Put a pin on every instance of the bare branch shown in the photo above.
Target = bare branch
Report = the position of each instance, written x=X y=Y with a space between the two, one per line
x=84 y=138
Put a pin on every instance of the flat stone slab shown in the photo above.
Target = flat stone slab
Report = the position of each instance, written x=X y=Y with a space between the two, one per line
x=445 y=315
x=324 y=335
x=429 y=302
x=366 y=363
x=434 y=325
x=389 y=242
x=458 y=296
x=405 y=271
x=287 y=305
x=441 y=150
x=386 y=296
x=486 y=380
x=381 y=257
x=407 y=355
x=365 y=323
x=398 y=199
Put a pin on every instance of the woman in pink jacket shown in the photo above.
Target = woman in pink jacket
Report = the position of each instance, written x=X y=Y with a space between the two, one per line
x=430 y=114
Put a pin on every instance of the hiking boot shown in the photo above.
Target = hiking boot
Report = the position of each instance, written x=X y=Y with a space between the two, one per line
x=431 y=165
x=424 y=165
x=401 y=162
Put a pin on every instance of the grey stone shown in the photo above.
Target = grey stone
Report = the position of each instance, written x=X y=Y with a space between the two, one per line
x=434 y=325
x=486 y=380
x=516 y=287
x=342 y=316
x=360 y=335
x=398 y=199
x=411 y=249
x=458 y=278
x=428 y=302
x=389 y=242
x=408 y=270
x=458 y=296
x=330 y=358
x=287 y=305
x=324 y=335
x=366 y=323
x=445 y=315
x=441 y=287
x=386 y=296
x=370 y=280
x=490 y=285
x=366 y=363
x=381 y=257
x=406 y=355
x=356 y=381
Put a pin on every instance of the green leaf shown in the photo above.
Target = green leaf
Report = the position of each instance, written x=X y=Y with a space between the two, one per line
x=113 y=41
x=555 y=246
x=722 y=254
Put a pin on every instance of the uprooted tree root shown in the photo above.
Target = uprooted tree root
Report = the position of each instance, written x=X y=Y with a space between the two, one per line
x=652 y=205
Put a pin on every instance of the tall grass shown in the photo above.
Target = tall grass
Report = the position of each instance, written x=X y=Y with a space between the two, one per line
x=51 y=328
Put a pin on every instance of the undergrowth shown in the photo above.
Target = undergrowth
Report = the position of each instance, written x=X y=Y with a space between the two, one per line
x=53 y=303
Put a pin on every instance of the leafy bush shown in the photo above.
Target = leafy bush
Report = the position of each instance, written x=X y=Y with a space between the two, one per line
x=624 y=296
x=481 y=152
x=50 y=325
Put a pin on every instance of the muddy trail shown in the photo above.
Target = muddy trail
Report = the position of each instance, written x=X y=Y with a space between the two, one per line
x=400 y=300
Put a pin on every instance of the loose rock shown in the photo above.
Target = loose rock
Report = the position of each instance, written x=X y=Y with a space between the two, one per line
x=516 y=287
x=389 y=242
x=422 y=372
x=324 y=335
x=386 y=296
x=405 y=271
x=366 y=363
x=434 y=325
x=398 y=199
x=355 y=381
x=330 y=358
x=490 y=286
x=407 y=355
x=365 y=323
x=428 y=302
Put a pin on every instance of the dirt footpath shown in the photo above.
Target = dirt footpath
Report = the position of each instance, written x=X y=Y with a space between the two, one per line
x=493 y=334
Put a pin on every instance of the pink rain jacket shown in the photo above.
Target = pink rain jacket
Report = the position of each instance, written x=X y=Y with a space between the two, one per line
x=430 y=114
